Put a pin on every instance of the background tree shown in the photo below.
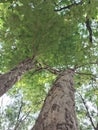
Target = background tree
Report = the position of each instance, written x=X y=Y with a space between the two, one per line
x=59 y=35
x=16 y=114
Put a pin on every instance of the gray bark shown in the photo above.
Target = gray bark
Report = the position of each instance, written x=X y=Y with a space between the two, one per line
x=8 y=79
x=58 y=111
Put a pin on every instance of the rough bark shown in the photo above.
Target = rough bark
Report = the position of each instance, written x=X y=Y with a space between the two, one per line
x=8 y=79
x=58 y=111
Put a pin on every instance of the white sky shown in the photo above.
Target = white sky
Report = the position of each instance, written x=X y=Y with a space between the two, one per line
x=4 y=100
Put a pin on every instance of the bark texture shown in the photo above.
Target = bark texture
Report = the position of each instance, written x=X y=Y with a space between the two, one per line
x=8 y=79
x=58 y=111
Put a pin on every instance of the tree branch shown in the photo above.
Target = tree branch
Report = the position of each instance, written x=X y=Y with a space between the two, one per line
x=17 y=122
x=89 y=74
x=69 y=6
x=21 y=120
x=88 y=26
x=88 y=113
x=97 y=121
x=52 y=70
x=8 y=79
x=20 y=110
x=55 y=71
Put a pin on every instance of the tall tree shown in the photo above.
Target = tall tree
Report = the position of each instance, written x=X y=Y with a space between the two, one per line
x=8 y=79
x=58 y=111
x=54 y=36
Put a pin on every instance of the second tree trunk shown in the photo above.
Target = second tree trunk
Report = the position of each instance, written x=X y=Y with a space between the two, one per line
x=58 y=111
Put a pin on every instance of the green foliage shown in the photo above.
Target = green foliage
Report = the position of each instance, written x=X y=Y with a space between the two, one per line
x=35 y=88
x=37 y=29
x=17 y=113
x=87 y=91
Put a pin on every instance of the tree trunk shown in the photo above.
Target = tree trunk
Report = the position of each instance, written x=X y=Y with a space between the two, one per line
x=58 y=111
x=8 y=79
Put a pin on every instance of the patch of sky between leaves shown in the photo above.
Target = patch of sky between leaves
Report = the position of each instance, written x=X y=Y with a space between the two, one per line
x=0 y=46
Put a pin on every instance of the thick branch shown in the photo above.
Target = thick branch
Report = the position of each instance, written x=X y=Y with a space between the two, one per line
x=8 y=79
x=52 y=70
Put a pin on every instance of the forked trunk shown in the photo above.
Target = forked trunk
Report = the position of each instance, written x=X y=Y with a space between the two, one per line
x=58 y=111
x=8 y=79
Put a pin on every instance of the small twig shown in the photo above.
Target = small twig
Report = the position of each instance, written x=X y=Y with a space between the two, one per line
x=88 y=113
x=89 y=74
x=17 y=123
x=83 y=65
x=20 y=110
x=24 y=116
x=22 y=119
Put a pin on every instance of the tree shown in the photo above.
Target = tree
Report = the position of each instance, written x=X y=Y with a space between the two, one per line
x=57 y=36
x=15 y=114
x=7 y=80
x=58 y=111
